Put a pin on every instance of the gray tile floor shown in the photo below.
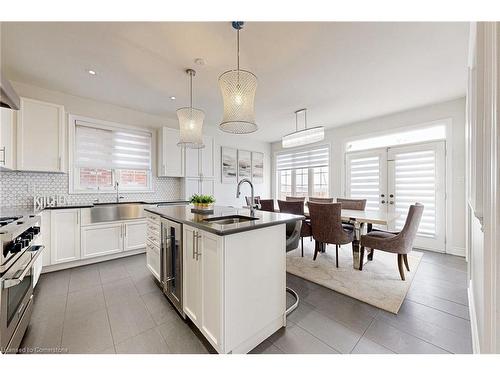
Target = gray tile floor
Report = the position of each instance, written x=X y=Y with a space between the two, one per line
x=116 y=307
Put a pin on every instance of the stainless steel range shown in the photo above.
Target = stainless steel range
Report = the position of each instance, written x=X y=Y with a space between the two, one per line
x=19 y=256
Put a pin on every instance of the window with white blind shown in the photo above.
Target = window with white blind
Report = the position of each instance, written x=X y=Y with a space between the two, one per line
x=303 y=173
x=105 y=155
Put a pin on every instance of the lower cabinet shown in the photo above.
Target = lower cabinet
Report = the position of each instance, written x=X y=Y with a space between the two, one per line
x=102 y=239
x=134 y=236
x=203 y=282
x=153 y=260
x=64 y=235
x=113 y=237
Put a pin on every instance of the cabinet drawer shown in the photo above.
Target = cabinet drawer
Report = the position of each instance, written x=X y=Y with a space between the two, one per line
x=153 y=260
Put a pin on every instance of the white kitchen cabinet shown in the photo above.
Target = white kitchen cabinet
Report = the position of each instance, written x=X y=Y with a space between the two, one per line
x=153 y=260
x=198 y=186
x=200 y=162
x=192 y=276
x=170 y=156
x=207 y=187
x=40 y=136
x=134 y=235
x=102 y=239
x=7 y=143
x=64 y=235
x=234 y=285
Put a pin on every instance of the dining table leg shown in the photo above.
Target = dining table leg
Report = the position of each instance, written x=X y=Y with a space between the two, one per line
x=356 y=250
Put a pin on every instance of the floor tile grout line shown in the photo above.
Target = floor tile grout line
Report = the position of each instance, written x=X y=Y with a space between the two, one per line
x=434 y=308
x=415 y=336
x=364 y=335
x=312 y=334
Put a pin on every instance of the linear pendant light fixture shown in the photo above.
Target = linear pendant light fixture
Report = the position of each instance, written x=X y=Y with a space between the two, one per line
x=238 y=93
x=191 y=120
x=305 y=136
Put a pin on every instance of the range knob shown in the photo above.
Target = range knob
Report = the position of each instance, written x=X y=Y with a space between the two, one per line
x=15 y=247
x=27 y=236
x=25 y=242
x=35 y=230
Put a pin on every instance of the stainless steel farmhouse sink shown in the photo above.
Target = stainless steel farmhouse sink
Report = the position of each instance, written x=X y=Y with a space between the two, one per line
x=112 y=212
x=232 y=219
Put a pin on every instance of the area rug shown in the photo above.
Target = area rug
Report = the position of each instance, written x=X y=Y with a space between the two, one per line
x=378 y=284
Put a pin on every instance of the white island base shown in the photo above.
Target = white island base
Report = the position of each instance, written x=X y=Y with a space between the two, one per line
x=234 y=285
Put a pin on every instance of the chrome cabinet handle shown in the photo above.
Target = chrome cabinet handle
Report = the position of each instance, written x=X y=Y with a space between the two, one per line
x=198 y=236
x=3 y=158
x=194 y=244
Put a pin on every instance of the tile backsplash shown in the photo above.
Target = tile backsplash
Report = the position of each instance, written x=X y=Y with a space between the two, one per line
x=18 y=189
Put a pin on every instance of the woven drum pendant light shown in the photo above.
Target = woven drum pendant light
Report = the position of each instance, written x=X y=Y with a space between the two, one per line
x=191 y=121
x=238 y=93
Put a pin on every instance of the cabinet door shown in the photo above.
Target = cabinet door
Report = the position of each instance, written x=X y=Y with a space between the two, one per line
x=191 y=186
x=65 y=235
x=40 y=136
x=170 y=156
x=134 y=235
x=102 y=239
x=210 y=257
x=192 y=162
x=7 y=139
x=153 y=261
x=191 y=276
x=207 y=158
x=207 y=187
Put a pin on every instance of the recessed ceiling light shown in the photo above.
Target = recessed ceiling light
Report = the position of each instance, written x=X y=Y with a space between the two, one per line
x=199 y=61
x=172 y=98
x=92 y=72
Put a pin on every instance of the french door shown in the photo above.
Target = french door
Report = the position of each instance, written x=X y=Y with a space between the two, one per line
x=394 y=178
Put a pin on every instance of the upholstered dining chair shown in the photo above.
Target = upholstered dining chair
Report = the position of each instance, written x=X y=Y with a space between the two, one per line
x=352 y=204
x=320 y=200
x=393 y=242
x=297 y=208
x=295 y=199
x=267 y=205
x=326 y=224
x=249 y=200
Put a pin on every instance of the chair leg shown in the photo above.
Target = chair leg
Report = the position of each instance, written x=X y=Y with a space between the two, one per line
x=316 y=249
x=337 y=255
x=361 y=257
x=400 y=266
x=370 y=254
x=405 y=258
x=302 y=244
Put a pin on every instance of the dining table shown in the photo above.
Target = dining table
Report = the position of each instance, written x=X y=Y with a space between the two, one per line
x=360 y=220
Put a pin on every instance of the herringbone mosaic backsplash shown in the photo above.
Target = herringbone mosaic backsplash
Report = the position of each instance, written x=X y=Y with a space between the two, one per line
x=18 y=189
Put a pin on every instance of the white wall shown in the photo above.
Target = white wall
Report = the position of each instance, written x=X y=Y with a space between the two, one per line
x=224 y=193
x=454 y=109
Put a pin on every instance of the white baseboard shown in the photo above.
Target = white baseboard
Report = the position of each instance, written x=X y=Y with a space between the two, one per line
x=476 y=349
x=458 y=251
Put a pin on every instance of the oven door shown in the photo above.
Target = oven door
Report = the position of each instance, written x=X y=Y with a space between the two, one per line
x=16 y=286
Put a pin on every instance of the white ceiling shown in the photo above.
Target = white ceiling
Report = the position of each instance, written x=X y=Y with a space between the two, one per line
x=342 y=72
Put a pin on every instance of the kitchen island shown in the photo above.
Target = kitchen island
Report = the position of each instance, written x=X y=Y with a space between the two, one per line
x=233 y=271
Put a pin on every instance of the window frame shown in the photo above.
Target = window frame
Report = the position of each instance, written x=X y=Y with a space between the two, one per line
x=310 y=177
x=74 y=171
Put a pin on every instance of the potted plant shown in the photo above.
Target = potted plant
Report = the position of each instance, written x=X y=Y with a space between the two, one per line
x=202 y=202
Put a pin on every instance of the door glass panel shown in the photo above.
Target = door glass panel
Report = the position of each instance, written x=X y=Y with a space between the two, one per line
x=365 y=179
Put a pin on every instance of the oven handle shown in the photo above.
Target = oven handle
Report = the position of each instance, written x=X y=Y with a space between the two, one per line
x=8 y=283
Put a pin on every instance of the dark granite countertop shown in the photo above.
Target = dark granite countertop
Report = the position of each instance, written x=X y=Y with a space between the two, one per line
x=183 y=214
x=25 y=210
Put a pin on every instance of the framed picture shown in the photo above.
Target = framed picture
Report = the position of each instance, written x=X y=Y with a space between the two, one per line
x=258 y=167
x=244 y=164
x=229 y=165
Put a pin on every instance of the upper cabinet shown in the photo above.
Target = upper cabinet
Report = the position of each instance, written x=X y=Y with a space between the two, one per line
x=7 y=155
x=40 y=136
x=170 y=156
x=200 y=163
